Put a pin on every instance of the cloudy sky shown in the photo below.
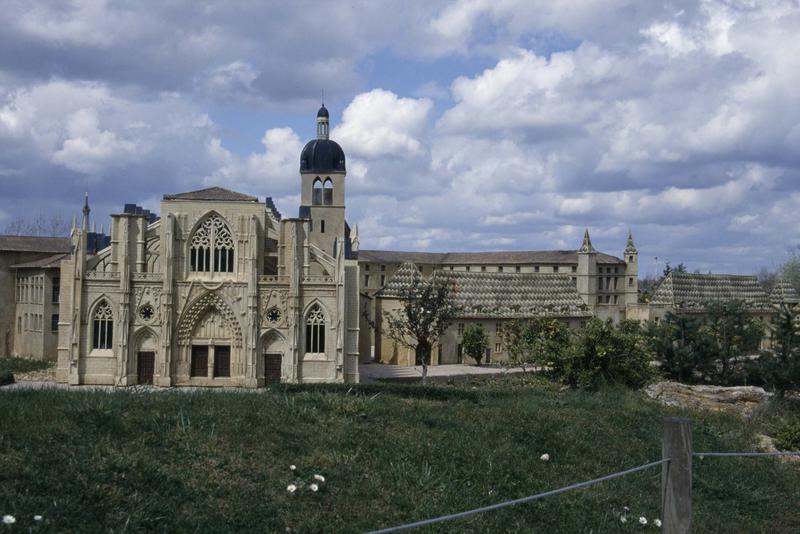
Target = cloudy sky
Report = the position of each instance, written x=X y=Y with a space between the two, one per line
x=468 y=125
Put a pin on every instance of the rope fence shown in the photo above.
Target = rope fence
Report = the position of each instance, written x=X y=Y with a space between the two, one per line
x=745 y=454
x=676 y=483
x=521 y=500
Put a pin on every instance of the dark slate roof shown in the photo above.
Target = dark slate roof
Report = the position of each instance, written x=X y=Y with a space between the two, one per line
x=478 y=258
x=270 y=204
x=322 y=156
x=501 y=295
x=19 y=243
x=692 y=291
x=784 y=292
x=212 y=193
x=44 y=263
x=323 y=112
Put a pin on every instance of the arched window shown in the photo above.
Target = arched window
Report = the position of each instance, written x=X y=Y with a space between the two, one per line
x=102 y=326
x=316 y=193
x=327 y=192
x=212 y=235
x=315 y=330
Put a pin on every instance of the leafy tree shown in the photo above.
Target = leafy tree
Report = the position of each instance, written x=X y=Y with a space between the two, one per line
x=668 y=268
x=604 y=353
x=710 y=348
x=732 y=334
x=54 y=225
x=428 y=309
x=475 y=342
x=538 y=341
x=779 y=367
x=680 y=348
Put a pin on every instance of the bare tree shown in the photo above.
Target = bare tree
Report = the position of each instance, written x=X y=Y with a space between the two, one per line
x=54 y=225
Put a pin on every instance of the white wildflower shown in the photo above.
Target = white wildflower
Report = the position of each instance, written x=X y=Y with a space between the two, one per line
x=37 y=518
x=544 y=457
x=292 y=467
x=642 y=520
x=319 y=478
x=314 y=487
x=657 y=522
x=9 y=519
x=291 y=488
x=623 y=519
x=626 y=509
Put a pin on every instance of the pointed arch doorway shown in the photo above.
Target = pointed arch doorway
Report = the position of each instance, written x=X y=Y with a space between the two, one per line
x=145 y=358
x=273 y=347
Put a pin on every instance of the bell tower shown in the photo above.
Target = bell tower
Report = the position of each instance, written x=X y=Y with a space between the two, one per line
x=322 y=176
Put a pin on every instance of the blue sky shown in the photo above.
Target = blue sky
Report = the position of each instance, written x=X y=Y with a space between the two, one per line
x=468 y=125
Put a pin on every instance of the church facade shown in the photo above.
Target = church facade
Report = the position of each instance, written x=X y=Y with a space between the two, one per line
x=219 y=291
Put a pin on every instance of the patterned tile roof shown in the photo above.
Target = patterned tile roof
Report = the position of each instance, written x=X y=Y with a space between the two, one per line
x=691 y=291
x=23 y=243
x=501 y=295
x=784 y=292
x=212 y=193
x=478 y=258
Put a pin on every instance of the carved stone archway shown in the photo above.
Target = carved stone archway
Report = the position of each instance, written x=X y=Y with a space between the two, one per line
x=198 y=310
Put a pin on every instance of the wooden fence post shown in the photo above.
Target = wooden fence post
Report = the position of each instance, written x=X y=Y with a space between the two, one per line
x=676 y=476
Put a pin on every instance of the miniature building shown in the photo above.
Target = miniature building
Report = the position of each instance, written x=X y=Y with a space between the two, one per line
x=220 y=291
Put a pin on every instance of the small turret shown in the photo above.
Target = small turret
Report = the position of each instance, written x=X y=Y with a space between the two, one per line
x=586 y=247
x=587 y=271
x=630 y=248
x=631 y=271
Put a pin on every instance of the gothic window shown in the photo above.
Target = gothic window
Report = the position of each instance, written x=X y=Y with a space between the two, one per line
x=102 y=326
x=212 y=239
x=316 y=193
x=315 y=330
x=327 y=192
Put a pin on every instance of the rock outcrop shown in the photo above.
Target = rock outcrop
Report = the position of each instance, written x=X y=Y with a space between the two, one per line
x=741 y=400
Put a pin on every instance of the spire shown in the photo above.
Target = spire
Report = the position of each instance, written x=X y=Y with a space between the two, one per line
x=86 y=212
x=586 y=247
x=630 y=248
x=354 y=241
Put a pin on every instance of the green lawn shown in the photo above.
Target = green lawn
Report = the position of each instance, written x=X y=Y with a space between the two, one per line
x=217 y=462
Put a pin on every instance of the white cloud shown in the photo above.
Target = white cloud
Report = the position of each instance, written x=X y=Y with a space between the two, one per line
x=379 y=124
x=89 y=149
x=274 y=171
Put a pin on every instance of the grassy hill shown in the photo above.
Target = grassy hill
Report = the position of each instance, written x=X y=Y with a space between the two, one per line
x=215 y=462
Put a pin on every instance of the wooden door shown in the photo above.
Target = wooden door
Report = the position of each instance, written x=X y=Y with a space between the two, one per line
x=146 y=367
x=272 y=368
x=199 y=360
x=222 y=360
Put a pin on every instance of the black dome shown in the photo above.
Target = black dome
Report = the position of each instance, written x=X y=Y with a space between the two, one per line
x=323 y=112
x=322 y=155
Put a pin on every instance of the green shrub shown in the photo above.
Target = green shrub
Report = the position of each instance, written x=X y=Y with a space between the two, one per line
x=6 y=377
x=537 y=341
x=779 y=367
x=475 y=342
x=788 y=437
x=24 y=365
x=712 y=350
x=602 y=353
